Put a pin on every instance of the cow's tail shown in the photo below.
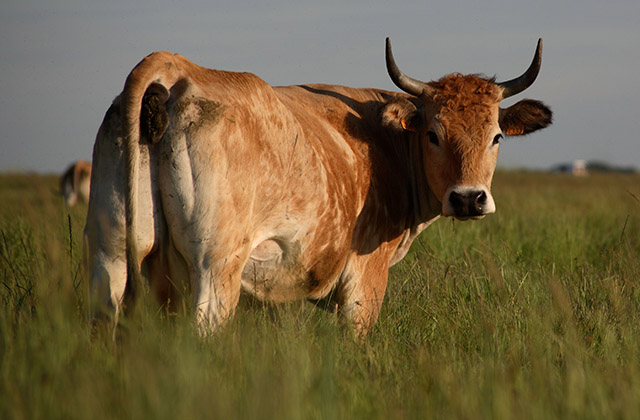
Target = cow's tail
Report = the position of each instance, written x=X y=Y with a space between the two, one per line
x=155 y=74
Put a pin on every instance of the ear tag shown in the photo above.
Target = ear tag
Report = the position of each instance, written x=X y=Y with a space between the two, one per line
x=406 y=126
x=515 y=131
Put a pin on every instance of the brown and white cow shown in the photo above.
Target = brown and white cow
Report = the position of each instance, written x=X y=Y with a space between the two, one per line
x=75 y=183
x=218 y=182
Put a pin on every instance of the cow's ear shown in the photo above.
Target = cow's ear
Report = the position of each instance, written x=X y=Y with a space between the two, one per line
x=402 y=114
x=525 y=117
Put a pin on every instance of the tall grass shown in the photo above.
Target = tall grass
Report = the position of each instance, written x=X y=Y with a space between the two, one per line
x=532 y=312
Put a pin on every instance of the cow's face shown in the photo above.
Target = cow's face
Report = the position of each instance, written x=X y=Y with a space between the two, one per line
x=461 y=137
x=460 y=124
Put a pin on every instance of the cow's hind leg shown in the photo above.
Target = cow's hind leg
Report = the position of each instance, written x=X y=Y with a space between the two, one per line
x=200 y=214
x=107 y=285
x=105 y=253
x=213 y=261
x=215 y=285
x=214 y=266
x=216 y=291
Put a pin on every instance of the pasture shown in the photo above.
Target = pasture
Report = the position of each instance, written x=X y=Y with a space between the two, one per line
x=533 y=312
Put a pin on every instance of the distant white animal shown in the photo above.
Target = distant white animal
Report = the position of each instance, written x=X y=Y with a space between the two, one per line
x=75 y=183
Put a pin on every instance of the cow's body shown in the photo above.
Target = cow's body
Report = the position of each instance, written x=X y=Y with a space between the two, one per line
x=75 y=183
x=286 y=192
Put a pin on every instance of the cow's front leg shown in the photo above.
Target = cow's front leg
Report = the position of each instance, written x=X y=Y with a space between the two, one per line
x=361 y=291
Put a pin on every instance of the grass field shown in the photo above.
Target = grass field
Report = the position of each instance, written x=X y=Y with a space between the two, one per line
x=531 y=313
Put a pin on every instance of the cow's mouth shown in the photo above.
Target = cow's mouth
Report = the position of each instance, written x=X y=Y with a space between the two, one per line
x=465 y=218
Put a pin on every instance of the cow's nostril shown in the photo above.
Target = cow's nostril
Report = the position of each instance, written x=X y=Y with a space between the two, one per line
x=481 y=198
x=456 y=200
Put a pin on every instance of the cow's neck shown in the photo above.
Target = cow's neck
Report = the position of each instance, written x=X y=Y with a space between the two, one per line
x=399 y=204
x=423 y=207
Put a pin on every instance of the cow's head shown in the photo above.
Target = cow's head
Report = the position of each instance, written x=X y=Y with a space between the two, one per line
x=460 y=123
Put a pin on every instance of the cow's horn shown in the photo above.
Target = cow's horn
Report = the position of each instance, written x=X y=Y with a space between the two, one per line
x=517 y=85
x=404 y=82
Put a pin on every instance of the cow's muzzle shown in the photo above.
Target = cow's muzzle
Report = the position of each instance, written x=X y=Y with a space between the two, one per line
x=468 y=202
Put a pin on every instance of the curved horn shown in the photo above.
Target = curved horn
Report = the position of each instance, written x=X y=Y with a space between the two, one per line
x=517 y=85
x=404 y=82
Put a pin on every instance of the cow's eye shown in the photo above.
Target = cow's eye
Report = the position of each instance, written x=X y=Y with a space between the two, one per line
x=433 y=138
x=497 y=139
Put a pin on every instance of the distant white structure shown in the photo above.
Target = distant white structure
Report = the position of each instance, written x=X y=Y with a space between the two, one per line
x=579 y=167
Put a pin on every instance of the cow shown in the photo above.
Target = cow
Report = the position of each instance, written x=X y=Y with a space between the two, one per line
x=75 y=183
x=214 y=182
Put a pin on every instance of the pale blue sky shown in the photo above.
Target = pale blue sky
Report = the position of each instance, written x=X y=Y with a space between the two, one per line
x=63 y=62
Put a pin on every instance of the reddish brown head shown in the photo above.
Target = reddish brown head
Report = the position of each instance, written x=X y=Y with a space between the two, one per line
x=461 y=124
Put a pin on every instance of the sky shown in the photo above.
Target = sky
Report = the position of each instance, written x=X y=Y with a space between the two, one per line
x=62 y=62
